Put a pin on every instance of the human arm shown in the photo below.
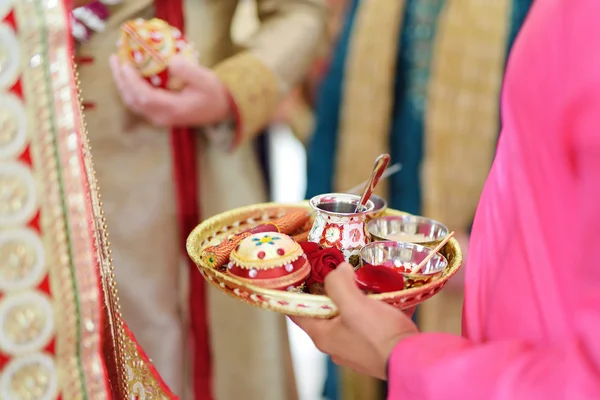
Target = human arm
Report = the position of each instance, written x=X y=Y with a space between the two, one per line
x=276 y=59
x=435 y=366
x=513 y=369
x=245 y=87
x=567 y=368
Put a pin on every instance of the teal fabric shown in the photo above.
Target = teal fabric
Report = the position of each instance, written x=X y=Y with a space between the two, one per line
x=406 y=134
x=407 y=118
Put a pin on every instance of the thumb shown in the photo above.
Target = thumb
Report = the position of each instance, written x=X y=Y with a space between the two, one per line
x=188 y=72
x=341 y=287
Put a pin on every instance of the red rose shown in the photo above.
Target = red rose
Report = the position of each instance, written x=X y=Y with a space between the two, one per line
x=309 y=248
x=322 y=262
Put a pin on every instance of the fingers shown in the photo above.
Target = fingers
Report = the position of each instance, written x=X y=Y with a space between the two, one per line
x=410 y=311
x=309 y=325
x=157 y=105
x=318 y=329
x=341 y=287
x=116 y=69
x=189 y=73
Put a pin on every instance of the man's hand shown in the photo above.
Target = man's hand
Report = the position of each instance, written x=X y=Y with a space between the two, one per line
x=202 y=101
x=363 y=336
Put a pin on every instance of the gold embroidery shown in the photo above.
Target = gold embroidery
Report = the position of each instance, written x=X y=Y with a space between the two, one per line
x=27 y=314
x=462 y=116
x=254 y=89
x=135 y=379
x=8 y=127
x=51 y=121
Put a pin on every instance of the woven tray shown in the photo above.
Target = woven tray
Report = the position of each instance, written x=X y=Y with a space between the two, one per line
x=213 y=230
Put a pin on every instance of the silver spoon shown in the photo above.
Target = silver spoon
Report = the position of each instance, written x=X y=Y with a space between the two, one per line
x=391 y=170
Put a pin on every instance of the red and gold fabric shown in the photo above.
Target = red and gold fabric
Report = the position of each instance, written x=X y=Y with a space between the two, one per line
x=62 y=336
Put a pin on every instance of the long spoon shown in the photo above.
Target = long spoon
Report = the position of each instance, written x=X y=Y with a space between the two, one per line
x=380 y=165
x=391 y=170
x=433 y=253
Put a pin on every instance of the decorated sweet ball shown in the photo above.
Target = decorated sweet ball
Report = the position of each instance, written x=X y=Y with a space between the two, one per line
x=148 y=45
x=270 y=260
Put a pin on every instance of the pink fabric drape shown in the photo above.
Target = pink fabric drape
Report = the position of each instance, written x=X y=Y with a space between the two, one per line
x=532 y=306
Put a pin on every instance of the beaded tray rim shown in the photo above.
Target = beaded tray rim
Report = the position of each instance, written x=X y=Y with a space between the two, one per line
x=214 y=225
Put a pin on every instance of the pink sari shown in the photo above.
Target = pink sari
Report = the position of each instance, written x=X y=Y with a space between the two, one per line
x=532 y=307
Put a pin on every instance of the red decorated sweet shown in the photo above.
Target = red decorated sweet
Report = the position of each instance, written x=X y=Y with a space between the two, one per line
x=271 y=260
x=148 y=45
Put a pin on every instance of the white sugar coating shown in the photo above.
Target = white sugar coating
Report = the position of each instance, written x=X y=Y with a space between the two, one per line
x=253 y=272
x=289 y=267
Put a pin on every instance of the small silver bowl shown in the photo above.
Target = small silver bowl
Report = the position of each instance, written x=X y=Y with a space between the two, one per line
x=407 y=228
x=380 y=206
x=404 y=257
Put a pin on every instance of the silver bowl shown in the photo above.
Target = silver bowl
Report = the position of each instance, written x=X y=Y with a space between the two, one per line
x=407 y=228
x=404 y=257
x=380 y=206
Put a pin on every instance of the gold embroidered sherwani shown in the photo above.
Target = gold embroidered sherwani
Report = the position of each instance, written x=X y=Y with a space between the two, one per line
x=133 y=164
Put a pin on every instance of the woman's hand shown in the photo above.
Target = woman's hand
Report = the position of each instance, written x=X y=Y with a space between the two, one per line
x=366 y=331
x=203 y=100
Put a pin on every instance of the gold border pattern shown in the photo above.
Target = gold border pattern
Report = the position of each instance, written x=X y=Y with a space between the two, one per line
x=58 y=279
x=462 y=118
x=255 y=92
x=62 y=306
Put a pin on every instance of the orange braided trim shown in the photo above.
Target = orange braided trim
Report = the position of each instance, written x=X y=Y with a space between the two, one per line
x=301 y=237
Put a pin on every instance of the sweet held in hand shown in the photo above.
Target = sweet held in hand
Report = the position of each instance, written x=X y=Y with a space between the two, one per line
x=149 y=45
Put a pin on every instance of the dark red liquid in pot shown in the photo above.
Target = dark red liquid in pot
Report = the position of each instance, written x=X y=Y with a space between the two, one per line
x=380 y=278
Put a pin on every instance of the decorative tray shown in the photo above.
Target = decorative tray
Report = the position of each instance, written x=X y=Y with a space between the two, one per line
x=221 y=227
